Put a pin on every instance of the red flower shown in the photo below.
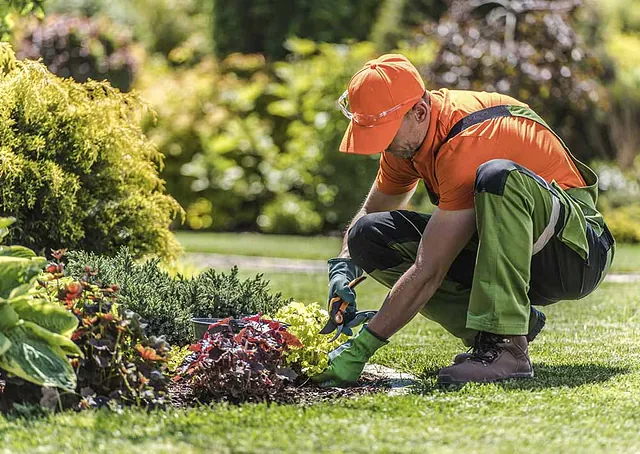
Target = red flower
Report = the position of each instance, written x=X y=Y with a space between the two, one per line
x=73 y=290
x=58 y=254
x=51 y=268
x=148 y=353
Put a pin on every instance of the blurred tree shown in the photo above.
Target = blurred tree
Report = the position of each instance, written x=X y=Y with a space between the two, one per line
x=527 y=49
x=255 y=147
x=397 y=20
x=617 y=25
x=81 y=48
x=262 y=26
x=179 y=30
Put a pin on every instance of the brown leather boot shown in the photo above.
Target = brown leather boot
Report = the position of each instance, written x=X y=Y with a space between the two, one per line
x=494 y=358
x=537 y=320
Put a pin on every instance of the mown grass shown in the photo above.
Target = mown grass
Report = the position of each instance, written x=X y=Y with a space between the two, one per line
x=255 y=244
x=321 y=248
x=585 y=397
x=627 y=258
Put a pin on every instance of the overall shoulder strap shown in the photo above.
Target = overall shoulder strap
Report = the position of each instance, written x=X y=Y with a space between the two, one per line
x=476 y=117
x=472 y=119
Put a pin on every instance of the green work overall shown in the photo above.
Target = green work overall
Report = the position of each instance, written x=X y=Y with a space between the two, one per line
x=535 y=244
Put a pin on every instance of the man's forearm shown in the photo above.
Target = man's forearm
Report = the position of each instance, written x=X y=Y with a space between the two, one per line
x=345 y=246
x=405 y=300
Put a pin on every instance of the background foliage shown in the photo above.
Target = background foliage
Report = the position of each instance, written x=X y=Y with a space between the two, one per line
x=246 y=116
x=81 y=48
x=267 y=24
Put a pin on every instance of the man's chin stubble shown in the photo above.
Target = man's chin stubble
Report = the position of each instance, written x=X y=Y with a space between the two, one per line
x=404 y=154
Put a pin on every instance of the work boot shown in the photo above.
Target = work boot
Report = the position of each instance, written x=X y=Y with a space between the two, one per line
x=495 y=357
x=537 y=320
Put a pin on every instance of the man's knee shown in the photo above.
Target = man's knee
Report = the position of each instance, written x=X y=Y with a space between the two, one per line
x=492 y=176
x=365 y=241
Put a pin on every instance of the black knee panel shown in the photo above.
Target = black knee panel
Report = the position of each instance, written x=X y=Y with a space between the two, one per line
x=368 y=240
x=492 y=175
x=363 y=237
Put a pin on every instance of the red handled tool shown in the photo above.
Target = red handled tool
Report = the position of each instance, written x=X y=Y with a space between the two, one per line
x=337 y=308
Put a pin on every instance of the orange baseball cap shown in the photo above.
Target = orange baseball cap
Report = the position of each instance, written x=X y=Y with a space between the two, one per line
x=379 y=96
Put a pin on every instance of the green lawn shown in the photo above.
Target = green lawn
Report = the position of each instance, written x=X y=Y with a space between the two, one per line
x=627 y=258
x=321 y=248
x=585 y=398
x=255 y=244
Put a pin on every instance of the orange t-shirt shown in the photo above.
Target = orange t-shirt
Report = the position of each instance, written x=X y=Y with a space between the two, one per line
x=451 y=173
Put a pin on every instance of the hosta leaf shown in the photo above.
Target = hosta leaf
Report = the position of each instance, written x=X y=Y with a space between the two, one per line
x=32 y=358
x=20 y=290
x=4 y=226
x=16 y=271
x=8 y=316
x=45 y=314
x=17 y=251
x=65 y=344
x=5 y=343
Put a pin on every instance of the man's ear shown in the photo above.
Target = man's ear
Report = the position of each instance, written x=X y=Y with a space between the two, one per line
x=421 y=111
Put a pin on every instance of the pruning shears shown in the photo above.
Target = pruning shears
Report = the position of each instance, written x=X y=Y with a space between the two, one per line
x=337 y=308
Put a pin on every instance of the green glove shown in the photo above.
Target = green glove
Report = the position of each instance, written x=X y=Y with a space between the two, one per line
x=341 y=272
x=347 y=361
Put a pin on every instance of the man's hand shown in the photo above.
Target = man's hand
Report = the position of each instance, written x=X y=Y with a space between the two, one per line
x=347 y=361
x=341 y=272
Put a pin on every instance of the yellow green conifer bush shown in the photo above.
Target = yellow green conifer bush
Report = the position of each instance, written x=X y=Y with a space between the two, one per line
x=76 y=170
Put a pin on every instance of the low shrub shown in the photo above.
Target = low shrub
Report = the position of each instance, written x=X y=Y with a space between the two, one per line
x=75 y=168
x=238 y=366
x=167 y=303
x=624 y=223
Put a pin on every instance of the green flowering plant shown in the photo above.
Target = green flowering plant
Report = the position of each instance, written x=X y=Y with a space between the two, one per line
x=305 y=322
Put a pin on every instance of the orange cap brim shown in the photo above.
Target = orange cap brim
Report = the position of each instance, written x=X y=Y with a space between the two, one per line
x=371 y=140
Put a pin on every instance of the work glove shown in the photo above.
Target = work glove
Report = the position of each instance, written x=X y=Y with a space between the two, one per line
x=347 y=361
x=341 y=272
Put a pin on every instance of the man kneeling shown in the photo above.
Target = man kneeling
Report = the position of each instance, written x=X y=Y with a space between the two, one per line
x=515 y=224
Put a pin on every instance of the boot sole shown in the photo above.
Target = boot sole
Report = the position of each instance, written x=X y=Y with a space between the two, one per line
x=450 y=381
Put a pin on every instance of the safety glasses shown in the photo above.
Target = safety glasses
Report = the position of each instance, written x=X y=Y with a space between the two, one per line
x=368 y=120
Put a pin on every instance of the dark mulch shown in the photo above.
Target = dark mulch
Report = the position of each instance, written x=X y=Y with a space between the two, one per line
x=305 y=393
x=14 y=390
x=180 y=395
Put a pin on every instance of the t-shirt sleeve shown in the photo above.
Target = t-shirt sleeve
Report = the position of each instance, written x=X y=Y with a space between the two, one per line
x=456 y=175
x=395 y=175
